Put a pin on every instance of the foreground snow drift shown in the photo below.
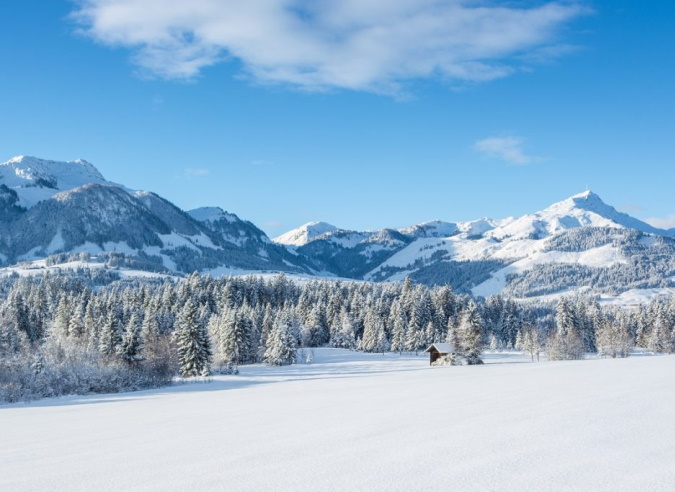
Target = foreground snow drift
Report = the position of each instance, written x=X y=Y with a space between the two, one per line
x=361 y=422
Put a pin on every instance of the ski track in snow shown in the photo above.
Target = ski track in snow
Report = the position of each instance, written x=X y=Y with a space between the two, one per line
x=353 y=421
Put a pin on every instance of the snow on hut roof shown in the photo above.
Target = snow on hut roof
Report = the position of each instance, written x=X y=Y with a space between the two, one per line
x=443 y=348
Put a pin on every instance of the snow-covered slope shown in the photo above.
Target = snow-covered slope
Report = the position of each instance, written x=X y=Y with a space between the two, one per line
x=305 y=234
x=212 y=214
x=354 y=421
x=36 y=179
x=435 y=228
x=580 y=243
x=583 y=210
x=49 y=207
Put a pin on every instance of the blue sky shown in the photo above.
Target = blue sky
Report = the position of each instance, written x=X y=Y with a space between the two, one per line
x=363 y=114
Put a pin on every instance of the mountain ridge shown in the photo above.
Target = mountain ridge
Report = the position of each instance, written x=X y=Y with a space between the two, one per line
x=577 y=244
x=587 y=200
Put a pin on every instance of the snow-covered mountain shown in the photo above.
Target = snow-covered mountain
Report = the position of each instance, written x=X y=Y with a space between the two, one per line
x=580 y=243
x=35 y=180
x=49 y=207
x=305 y=233
x=583 y=210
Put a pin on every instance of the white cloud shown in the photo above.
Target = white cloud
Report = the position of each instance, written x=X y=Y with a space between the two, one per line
x=373 y=45
x=261 y=162
x=662 y=223
x=509 y=149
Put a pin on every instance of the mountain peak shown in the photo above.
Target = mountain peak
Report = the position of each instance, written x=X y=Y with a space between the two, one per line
x=585 y=201
x=31 y=165
x=433 y=228
x=582 y=210
x=36 y=179
x=305 y=233
x=585 y=195
x=211 y=214
x=587 y=198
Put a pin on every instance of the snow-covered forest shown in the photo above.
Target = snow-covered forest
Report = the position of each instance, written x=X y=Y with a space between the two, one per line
x=62 y=334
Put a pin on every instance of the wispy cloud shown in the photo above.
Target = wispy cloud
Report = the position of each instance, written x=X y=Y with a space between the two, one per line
x=663 y=222
x=370 y=45
x=549 y=54
x=195 y=172
x=273 y=223
x=509 y=149
x=261 y=162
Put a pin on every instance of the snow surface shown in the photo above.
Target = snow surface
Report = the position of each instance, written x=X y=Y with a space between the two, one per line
x=603 y=256
x=40 y=267
x=521 y=242
x=305 y=233
x=211 y=214
x=583 y=210
x=28 y=175
x=353 y=421
x=435 y=228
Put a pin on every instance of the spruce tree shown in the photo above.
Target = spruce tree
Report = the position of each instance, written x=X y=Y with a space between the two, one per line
x=233 y=340
x=398 y=323
x=281 y=346
x=471 y=335
x=192 y=343
x=565 y=343
x=131 y=346
x=110 y=337
x=345 y=337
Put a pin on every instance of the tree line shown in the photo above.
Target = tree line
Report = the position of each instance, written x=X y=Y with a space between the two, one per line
x=62 y=334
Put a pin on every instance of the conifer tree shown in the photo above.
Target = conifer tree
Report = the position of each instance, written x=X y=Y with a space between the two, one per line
x=345 y=336
x=397 y=321
x=281 y=346
x=131 y=346
x=60 y=327
x=471 y=335
x=452 y=336
x=565 y=342
x=659 y=337
x=233 y=340
x=91 y=325
x=150 y=334
x=192 y=342
x=110 y=337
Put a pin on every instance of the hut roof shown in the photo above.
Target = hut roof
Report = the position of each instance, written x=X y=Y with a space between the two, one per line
x=443 y=348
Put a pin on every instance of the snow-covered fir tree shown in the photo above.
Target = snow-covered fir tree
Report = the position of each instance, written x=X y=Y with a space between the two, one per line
x=110 y=337
x=131 y=346
x=192 y=342
x=281 y=347
x=566 y=342
x=470 y=333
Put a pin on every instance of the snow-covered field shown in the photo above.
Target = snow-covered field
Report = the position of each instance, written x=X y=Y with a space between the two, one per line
x=352 y=421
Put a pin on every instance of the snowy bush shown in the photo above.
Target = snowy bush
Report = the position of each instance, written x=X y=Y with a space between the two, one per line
x=56 y=370
x=448 y=360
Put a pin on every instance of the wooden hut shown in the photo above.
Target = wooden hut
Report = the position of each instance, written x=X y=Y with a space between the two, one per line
x=438 y=350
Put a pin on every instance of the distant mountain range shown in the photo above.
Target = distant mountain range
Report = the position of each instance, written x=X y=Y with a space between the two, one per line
x=579 y=244
x=49 y=207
